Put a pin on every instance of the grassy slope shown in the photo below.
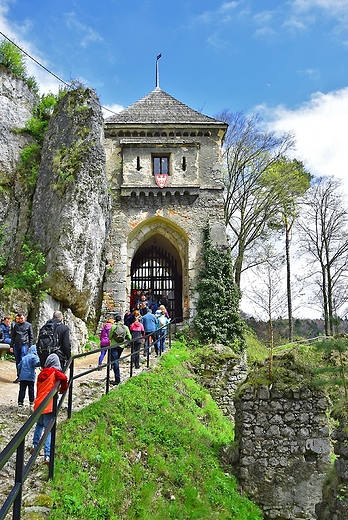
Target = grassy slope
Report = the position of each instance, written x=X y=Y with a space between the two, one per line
x=149 y=450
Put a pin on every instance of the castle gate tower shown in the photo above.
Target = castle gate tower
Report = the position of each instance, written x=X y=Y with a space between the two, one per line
x=163 y=163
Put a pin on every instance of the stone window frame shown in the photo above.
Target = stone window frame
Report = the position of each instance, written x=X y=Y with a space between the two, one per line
x=161 y=156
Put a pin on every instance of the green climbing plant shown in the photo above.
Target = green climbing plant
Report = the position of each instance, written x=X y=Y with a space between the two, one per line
x=36 y=127
x=66 y=161
x=33 y=272
x=218 y=319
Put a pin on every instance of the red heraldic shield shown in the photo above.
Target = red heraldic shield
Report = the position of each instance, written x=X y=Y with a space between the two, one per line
x=161 y=180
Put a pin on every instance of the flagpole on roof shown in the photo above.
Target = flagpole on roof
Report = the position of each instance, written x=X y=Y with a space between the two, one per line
x=157 y=72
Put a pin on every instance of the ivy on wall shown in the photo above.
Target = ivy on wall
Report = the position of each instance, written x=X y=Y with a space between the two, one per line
x=218 y=319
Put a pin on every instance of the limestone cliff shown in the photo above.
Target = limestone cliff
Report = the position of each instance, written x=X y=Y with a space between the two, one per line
x=16 y=105
x=71 y=203
x=65 y=212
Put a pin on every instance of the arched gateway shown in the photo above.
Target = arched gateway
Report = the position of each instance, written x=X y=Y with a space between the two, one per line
x=164 y=170
x=157 y=252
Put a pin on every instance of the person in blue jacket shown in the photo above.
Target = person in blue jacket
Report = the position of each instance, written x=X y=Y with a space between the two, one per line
x=27 y=375
x=5 y=326
x=150 y=323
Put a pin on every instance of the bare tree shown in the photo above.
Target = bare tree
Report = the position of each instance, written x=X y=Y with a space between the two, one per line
x=269 y=296
x=249 y=150
x=324 y=237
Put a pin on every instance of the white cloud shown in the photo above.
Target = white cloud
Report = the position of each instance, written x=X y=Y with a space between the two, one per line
x=331 y=5
x=109 y=109
x=88 y=34
x=321 y=129
x=220 y=15
x=335 y=9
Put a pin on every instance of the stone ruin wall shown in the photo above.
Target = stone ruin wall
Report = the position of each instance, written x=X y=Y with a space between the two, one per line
x=221 y=374
x=282 y=449
x=334 y=505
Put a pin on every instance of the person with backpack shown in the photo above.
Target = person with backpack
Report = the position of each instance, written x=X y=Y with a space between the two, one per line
x=150 y=323
x=137 y=331
x=119 y=332
x=54 y=337
x=104 y=339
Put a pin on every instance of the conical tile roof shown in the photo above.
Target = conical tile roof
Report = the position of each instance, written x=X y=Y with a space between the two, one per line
x=158 y=107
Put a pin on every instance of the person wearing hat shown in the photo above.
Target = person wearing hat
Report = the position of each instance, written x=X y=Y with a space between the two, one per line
x=119 y=332
x=48 y=377
x=27 y=376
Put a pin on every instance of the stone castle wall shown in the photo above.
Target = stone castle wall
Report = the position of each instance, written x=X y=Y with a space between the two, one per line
x=282 y=449
x=176 y=213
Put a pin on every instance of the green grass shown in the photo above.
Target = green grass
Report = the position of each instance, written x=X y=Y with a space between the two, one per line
x=256 y=351
x=149 y=450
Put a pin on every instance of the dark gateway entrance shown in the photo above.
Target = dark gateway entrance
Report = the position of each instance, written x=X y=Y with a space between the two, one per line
x=153 y=267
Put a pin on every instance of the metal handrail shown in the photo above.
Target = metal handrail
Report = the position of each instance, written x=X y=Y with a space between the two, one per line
x=17 y=443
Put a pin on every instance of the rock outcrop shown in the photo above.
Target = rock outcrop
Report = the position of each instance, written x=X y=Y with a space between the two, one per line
x=65 y=212
x=16 y=105
x=71 y=204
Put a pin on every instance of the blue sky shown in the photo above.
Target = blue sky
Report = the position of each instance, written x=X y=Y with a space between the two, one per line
x=286 y=60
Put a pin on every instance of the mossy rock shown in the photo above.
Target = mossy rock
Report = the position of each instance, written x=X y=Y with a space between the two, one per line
x=43 y=501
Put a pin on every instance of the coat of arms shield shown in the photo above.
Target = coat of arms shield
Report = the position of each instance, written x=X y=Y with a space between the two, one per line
x=161 y=179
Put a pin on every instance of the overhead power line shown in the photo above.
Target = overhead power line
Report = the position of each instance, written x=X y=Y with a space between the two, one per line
x=43 y=67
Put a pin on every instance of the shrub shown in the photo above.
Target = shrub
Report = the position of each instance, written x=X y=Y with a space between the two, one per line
x=218 y=317
x=13 y=59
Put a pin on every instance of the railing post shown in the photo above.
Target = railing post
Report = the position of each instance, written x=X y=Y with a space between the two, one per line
x=131 y=359
x=17 y=504
x=148 y=350
x=107 y=384
x=170 y=335
x=53 y=439
x=70 y=395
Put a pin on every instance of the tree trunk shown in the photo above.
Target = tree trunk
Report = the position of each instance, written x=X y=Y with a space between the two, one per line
x=325 y=304
x=238 y=269
x=271 y=333
x=288 y=281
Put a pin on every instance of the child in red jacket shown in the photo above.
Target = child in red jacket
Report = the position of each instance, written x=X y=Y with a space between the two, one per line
x=46 y=380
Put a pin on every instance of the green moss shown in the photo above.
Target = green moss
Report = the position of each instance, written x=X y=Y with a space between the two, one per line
x=340 y=411
x=43 y=501
x=288 y=373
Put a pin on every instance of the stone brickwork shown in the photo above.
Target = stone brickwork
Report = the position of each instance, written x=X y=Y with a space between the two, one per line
x=334 y=505
x=221 y=372
x=282 y=449
x=172 y=216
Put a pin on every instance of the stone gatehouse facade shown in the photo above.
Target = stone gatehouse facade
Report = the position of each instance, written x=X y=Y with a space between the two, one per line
x=164 y=170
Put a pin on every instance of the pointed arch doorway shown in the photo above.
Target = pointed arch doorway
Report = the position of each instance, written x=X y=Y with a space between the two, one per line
x=157 y=265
